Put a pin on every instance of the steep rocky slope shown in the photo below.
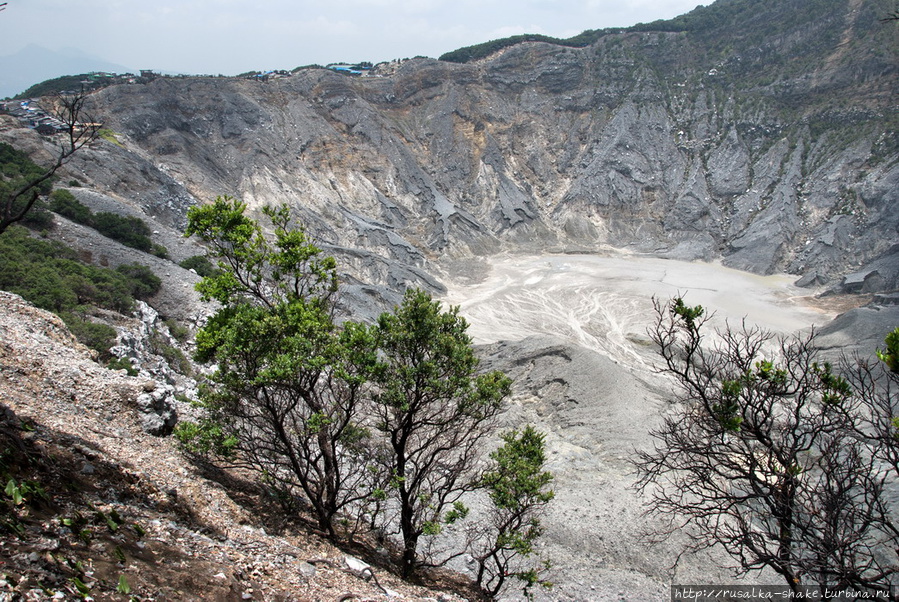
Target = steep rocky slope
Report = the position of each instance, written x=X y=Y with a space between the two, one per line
x=759 y=133
x=117 y=502
x=773 y=147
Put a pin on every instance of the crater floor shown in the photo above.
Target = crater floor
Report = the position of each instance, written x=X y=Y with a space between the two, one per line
x=571 y=332
x=604 y=303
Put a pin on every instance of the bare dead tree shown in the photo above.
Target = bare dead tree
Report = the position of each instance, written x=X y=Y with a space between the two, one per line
x=760 y=457
x=847 y=534
x=79 y=130
x=876 y=407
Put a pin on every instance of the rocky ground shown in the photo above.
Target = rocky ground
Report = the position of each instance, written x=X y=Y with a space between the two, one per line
x=571 y=331
x=427 y=176
x=94 y=506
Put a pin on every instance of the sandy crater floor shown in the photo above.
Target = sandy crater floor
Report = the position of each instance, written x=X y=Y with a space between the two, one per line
x=571 y=331
x=603 y=303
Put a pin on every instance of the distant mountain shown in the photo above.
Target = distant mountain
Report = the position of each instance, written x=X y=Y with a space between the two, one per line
x=35 y=64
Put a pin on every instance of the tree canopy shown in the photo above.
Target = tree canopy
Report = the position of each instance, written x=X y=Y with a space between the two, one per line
x=434 y=410
x=378 y=425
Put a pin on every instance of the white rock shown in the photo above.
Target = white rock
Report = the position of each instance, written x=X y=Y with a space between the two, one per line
x=354 y=564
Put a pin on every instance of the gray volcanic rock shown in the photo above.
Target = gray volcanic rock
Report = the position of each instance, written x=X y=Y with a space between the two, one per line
x=595 y=413
x=779 y=156
x=763 y=137
x=882 y=274
x=157 y=411
x=859 y=331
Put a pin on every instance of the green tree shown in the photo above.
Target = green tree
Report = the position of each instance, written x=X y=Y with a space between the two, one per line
x=890 y=355
x=435 y=412
x=286 y=396
x=517 y=485
x=65 y=204
x=19 y=194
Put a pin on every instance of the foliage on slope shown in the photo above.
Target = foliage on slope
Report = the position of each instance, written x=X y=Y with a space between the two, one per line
x=729 y=26
x=479 y=51
x=51 y=276
x=66 y=83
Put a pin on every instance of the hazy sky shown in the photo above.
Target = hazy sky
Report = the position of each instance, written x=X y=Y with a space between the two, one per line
x=232 y=36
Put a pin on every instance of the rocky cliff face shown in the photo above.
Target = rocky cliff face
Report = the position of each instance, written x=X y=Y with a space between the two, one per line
x=763 y=134
x=772 y=146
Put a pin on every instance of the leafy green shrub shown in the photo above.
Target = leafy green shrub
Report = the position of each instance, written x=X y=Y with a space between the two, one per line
x=16 y=168
x=25 y=492
x=518 y=487
x=144 y=283
x=130 y=231
x=49 y=275
x=199 y=264
x=180 y=332
x=205 y=437
x=65 y=204
x=173 y=356
x=122 y=363
x=99 y=337
x=890 y=356
x=38 y=218
x=159 y=251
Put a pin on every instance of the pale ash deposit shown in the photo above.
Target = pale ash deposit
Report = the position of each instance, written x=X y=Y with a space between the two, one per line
x=604 y=303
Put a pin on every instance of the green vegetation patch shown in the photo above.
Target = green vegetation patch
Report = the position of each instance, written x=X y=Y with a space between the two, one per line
x=66 y=83
x=479 y=51
x=201 y=265
x=715 y=25
x=49 y=275
x=65 y=204
x=130 y=231
x=109 y=136
x=17 y=168
x=16 y=171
